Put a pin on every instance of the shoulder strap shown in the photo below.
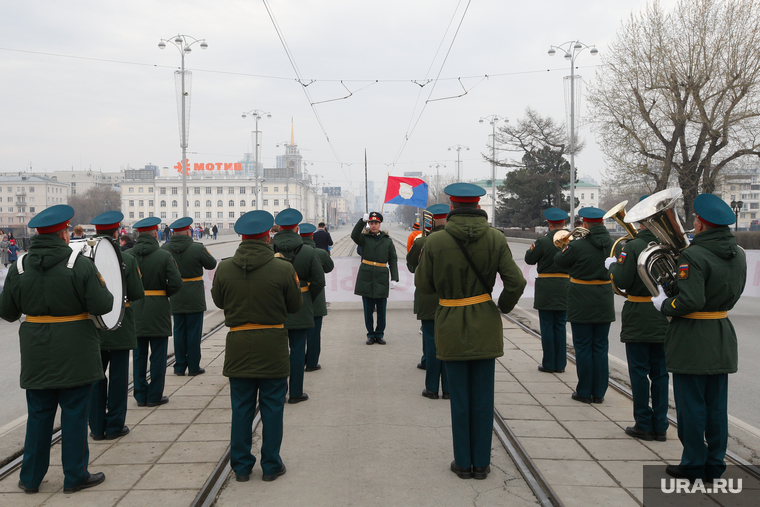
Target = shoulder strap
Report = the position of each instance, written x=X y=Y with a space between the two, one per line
x=459 y=243
x=72 y=259
x=20 y=263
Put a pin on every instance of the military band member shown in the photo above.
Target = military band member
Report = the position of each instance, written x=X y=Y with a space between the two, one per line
x=108 y=401
x=551 y=294
x=189 y=303
x=378 y=254
x=314 y=334
x=289 y=245
x=590 y=305
x=643 y=332
x=153 y=321
x=257 y=293
x=700 y=344
x=459 y=266
x=60 y=347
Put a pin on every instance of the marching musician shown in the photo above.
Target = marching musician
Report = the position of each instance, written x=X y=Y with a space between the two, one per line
x=60 y=347
x=643 y=332
x=700 y=344
x=590 y=305
x=551 y=294
x=108 y=401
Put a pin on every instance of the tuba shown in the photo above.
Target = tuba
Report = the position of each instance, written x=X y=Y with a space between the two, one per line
x=426 y=217
x=562 y=237
x=617 y=213
x=657 y=262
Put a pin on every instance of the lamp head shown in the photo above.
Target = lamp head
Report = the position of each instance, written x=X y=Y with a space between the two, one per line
x=577 y=45
x=552 y=52
x=178 y=40
x=594 y=51
x=204 y=45
x=568 y=56
x=480 y=120
x=162 y=45
x=188 y=49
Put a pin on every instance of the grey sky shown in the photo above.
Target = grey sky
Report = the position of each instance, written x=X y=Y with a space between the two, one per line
x=83 y=83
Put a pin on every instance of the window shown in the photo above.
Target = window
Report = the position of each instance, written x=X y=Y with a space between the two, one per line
x=219 y=214
x=131 y=202
x=208 y=203
x=10 y=199
x=752 y=205
x=163 y=214
x=31 y=189
x=253 y=203
x=219 y=190
x=242 y=190
x=583 y=196
x=592 y=196
x=10 y=189
x=163 y=204
x=276 y=189
x=197 y=205
x=265 y=189
x=131 y=214
x=31 y=199
x=31 y=209
x=141 y=203
x=150 y=203
x=141 y=215
x=208 y=214
x=197 y=190
x=266 y=202
x=150 y=189
x=174 y=204
x=230 y=190
x=150 y=214
x=21 y=220
x=232 y=214
x=752 y=215
x=231 y=203
x=10 y=210
x=219 y=203
x=276 y=202
x=174 y=190
x=197 y=214
x=140 y=190
x=131 y=190
x=174 y=214
x=242 y=203
x=162 y=191
x=208 y=190
x=10 y=220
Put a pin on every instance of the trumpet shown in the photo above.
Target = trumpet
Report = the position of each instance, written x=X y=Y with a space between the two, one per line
x=562 y=237
x=617 y=213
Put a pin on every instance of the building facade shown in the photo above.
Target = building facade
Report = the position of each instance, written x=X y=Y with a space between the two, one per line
x=24 y=195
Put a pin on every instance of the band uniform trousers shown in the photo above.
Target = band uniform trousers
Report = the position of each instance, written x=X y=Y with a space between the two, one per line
x=314 y=343
x=108 y=401
x=646 y=361
x=297 y=342
x=42 y=405
x=553 y=339
x=471 y=385
x=370 y=304
x=703 y=401
x=591 y=355
x=271 y=395
x=188 y=329
x=152 y=392
x=435 y=371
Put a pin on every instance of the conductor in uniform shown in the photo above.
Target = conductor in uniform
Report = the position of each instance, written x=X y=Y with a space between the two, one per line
x=590 y=305
x=108 y=402
x=700 y=344
x=378 y=254
x=289 y=245
x=189 y=303
x=459 y=265
x=60 y=346
x=643 y=332
x=314 y=334
x=161 y=280
x=257 y=293
x=551 y=294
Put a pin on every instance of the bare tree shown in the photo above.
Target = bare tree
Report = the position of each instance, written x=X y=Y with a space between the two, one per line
x=95 y=201
x=677 y=95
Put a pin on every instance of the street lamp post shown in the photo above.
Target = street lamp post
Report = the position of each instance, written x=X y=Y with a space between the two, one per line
x=737 y=206
x=458 y=148
x=437 y=180
x=572 y=49
x=183 y=44
x=492 y=120
x=257 y=114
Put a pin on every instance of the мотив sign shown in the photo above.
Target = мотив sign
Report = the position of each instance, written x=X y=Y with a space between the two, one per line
x=210 y=166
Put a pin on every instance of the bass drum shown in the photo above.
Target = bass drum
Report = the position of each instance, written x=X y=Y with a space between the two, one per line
x=106 y=255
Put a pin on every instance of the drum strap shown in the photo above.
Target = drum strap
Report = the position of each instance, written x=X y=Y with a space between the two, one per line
x=20 y=264
x=72 y=259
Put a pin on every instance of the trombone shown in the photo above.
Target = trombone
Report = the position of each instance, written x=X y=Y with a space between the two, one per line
x=562 y=237
x=617 y=213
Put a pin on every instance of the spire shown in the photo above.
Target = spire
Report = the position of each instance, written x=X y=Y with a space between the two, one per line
x=292 y=133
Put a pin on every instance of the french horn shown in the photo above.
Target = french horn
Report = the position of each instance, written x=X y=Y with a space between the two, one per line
x=562 y=237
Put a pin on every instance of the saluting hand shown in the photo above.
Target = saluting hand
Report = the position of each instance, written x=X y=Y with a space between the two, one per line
x=659 y=299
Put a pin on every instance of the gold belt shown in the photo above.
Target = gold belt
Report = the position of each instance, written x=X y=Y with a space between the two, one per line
x=465 y=301
x=371 y=263
x=155 y=293
x=246 y=327
x=553 y=275
x=48 y=319
x=640 y=299
x=126 y=305
x=589 y=282
x=196 y=279
x=697 y=315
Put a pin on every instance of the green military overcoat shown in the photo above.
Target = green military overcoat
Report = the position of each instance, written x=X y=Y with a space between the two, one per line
x=253 y=287
x=191 y=258
x=290 y=245
x=159 y=272
x=320 y=304
x=372 y=281
x=472 y=332
x=711 y=277
x=56 y=355
x=425 y=305
x=550 y=292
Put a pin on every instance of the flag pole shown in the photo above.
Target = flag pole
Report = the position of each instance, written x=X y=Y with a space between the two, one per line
x=366 y=193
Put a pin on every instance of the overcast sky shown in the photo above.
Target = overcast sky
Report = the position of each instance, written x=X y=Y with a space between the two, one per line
x=83 y=84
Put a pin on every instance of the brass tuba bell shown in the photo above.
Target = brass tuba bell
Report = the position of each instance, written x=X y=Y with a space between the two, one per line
x=617 y=213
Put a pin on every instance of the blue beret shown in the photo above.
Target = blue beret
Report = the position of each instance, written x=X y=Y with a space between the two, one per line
x=374 y=216
x=147 y=222
x=254 y=222
x=108 y=218
x=592 y=213
x=181 y=223
x=439 y=209
x=468 y=191
x=555 y=215
x=714 y=209
x=288 y=217
x=59 y=214
x=306 y=228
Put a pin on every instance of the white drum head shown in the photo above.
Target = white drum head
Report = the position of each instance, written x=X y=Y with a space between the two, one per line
x=108 y=262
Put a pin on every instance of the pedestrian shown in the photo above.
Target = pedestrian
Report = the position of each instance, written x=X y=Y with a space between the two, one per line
x=459 y=266
x=207 y=232
x=425 y=306
x=188 y=305
x=378 y=253
x=590 y=305
x=551 y=294
x=12 y=251
x=60 y=348
x=78 y=232
x=153 y=322
x=4 y=244
x=257 y=293
x=214 y=230
x=322 y=238
x=314 y=334
x=288 y=244
x=108 y=400
x=416 y=231
x=643 y=332
x=700 y=344
x=126 y=242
